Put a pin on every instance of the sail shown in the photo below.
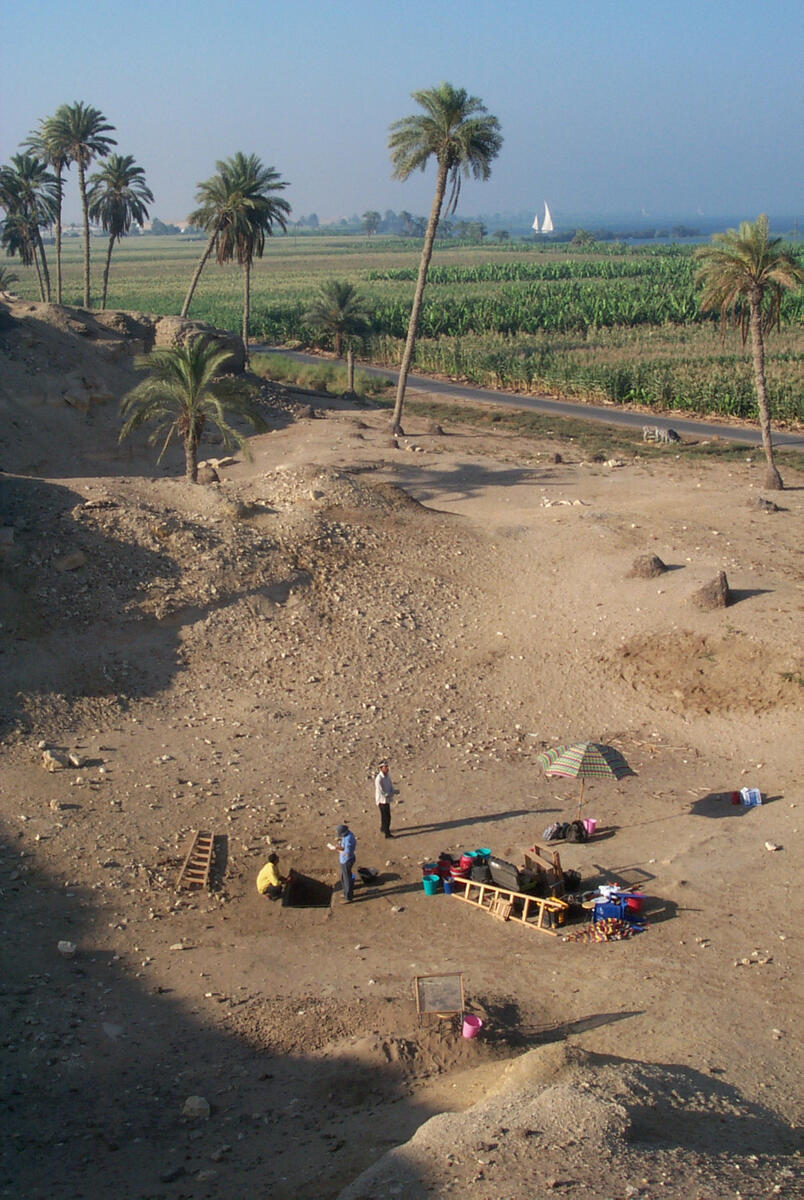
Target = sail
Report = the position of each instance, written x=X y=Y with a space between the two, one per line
x=535 y=224
x=547 y=223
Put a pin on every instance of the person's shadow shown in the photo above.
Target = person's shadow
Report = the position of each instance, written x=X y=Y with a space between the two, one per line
x=441 y=826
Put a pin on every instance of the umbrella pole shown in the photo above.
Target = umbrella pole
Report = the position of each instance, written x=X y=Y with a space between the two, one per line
x=580 y=798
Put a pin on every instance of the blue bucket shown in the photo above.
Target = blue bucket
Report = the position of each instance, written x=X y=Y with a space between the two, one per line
x=430 y=884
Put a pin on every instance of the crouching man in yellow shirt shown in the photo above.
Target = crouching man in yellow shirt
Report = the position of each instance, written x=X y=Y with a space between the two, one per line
x=269 y=882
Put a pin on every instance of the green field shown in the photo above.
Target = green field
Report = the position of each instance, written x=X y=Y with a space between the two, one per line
x=611 y=323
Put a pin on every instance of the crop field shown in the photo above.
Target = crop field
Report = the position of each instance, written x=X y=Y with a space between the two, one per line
x=613 y=323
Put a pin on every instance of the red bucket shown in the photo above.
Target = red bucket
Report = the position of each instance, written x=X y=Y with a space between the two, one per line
x=634 y=903
x=457 y=871
x=467 y=861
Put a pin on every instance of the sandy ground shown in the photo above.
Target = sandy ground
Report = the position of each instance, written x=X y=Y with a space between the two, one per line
x=237 y=658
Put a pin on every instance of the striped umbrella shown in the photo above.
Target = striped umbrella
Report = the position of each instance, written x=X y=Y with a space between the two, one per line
x=584 y=760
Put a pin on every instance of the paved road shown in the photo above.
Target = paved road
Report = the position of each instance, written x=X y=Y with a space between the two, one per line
x=563 y=408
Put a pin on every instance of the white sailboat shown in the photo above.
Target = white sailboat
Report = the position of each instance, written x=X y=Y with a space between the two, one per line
x=547 y=221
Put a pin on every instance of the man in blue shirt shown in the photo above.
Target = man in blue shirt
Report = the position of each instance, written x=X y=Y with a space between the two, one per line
x=346 y=857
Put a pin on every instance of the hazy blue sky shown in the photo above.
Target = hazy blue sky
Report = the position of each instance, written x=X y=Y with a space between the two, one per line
x=607 y=106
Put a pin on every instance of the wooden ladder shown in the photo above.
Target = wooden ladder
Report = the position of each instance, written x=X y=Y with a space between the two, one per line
x=506 y=905
x=197 y=865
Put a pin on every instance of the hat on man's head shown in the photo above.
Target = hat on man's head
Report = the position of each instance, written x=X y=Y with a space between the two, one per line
x=341 y=830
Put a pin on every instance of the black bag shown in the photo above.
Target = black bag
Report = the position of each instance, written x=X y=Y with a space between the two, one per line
x=577 y=832
x=572 y=881
x=480 y=874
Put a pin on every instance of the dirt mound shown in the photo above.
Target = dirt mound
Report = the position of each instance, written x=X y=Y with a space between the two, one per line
x=559 y=1119
x=709 y=673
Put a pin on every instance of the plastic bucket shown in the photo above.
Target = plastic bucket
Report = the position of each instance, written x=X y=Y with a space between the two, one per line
x=430 y=884
x=634 y=903
x=446 y=883
x=429 y=868
x=467 y=861
x=471 y=1026
x=590 y=825
x=457 y=871
x=482 y=856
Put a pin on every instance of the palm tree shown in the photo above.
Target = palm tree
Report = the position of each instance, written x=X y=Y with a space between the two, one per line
x=340 y=311
x=81 y=131
x=48 y=143
x=28 y=193
x=455 y=131
x=183 y=394
x=744 y=273
x=238 y=207
x=116 y=199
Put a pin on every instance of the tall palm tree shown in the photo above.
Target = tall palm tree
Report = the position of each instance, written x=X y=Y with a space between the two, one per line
x=83 y=132
x=744 y=273
x=184 y=394
x=117 y=198
x=28 y=193
x=339 y=310
x=238 y=207
x=454 y=130
x=49 y=144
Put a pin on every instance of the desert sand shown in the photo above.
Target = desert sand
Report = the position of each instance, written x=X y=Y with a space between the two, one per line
x=238 y=657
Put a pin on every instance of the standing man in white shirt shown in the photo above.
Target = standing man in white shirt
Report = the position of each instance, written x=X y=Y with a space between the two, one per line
x=383 y=794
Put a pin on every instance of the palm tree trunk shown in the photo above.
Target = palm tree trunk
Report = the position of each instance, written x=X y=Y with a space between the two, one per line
x=59 y=173
x=82 y=187
x=773 y=479
x=46 y=274
x=107 y=264
x=246 y=305
x=413 y=324
x=185 y=308
x=350 y=371
x=35 y=258
x=190 y=459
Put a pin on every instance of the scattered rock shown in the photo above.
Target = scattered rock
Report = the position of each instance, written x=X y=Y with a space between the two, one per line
x=67 y=949
x=305 y=412
x=207 y=474
x=53 y=761
x=714 y=594
x=171 y=1175
x=772 y=846
x=763 y=505
x=196 y=1108
x=647 y=566
x=71 y=561
x=76 y=760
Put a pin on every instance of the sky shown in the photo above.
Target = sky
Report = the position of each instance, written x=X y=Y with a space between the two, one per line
x=607 y=107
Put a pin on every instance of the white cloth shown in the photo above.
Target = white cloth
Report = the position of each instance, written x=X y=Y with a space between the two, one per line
x=383 y=788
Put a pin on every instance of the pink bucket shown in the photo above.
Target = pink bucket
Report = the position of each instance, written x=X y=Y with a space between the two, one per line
x=590 y=825
x=471 y=1026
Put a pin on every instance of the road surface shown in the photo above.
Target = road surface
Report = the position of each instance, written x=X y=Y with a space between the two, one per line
x=607 y=414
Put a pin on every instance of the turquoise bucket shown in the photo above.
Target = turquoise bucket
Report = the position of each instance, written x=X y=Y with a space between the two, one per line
x=430 y=884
